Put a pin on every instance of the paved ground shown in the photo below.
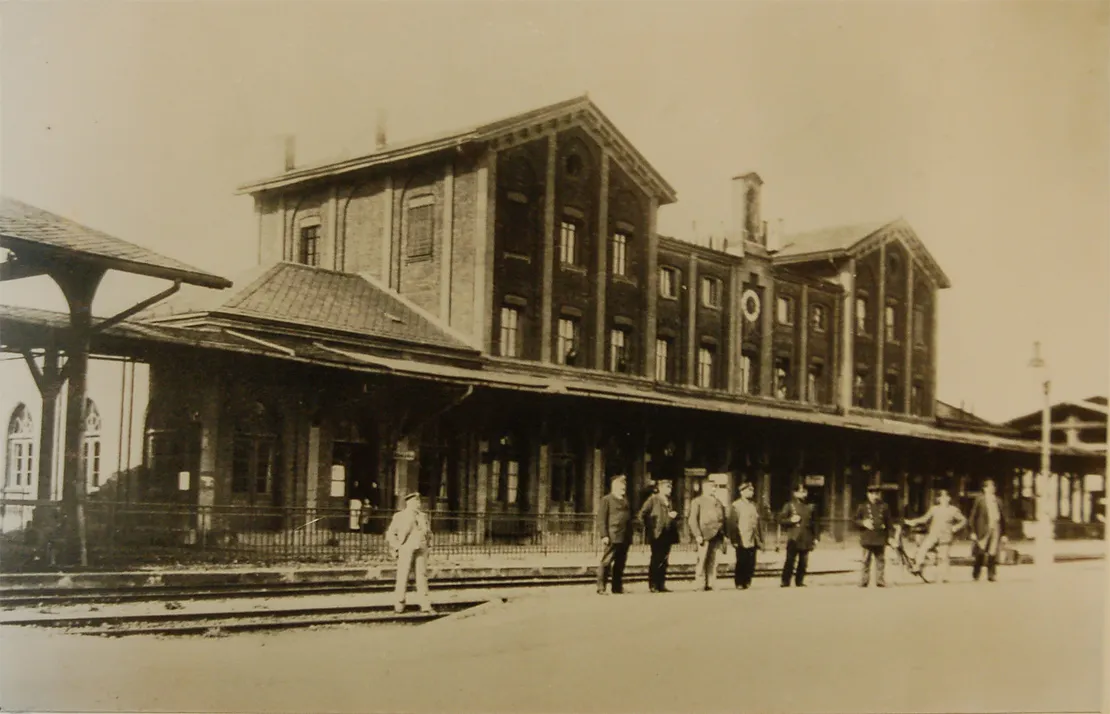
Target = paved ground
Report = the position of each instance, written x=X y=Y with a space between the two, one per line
x=1014 y=645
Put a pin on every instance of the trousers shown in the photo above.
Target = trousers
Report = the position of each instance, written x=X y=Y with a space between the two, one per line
x=944 y=551
x=407 y=561
x=745 y=566
x=657 y=566
x=705 y=572
x=980 y=557
x=876 y=553
x=795 y=564
x=614 y=556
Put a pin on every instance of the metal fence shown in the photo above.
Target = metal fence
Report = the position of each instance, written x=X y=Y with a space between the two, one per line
x=130 y=535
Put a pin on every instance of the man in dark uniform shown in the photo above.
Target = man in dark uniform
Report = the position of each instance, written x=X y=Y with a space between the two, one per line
x=874 y=518
x=801 y=534
x=614 y=520
x=661 y=531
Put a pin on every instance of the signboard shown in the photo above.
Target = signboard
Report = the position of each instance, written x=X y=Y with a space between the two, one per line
x=888 y=486
x=695 y=472
x=817 y=480
x=404 y=455
x=182 y=480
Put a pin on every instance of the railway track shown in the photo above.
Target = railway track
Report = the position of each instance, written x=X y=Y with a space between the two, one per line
x=221 y=623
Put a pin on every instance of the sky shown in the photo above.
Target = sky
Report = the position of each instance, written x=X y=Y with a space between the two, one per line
x=983 y=124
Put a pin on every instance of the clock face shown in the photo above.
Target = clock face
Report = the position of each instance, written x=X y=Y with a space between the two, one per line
x=750 y=305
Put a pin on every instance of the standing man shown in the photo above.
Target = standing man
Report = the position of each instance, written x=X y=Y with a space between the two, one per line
x=801 y=534
x=707 y=524
x=746 y=534
x=614 y=520
x=661 y=531
x=874 y=518
x=988 y=523
x=410 y=537
x=945 y=520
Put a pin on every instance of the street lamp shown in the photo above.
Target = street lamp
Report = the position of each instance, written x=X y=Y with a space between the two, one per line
x=1044 y=555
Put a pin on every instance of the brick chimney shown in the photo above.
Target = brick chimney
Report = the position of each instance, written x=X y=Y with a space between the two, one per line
x=746 y=222
x=379 y=133
x=290 y=152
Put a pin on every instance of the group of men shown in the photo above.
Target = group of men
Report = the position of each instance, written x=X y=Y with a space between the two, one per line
x=714 y=522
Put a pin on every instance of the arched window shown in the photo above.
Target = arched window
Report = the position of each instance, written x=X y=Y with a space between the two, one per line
x=91 y=445
x=21 y=448
x=254 y=456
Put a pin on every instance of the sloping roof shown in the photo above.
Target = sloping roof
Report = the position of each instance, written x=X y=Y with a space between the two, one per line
x=30 y=231
x=835 y=240
x=944 y=410
x=855 y=240
x=479 y=132
x=328 y=300
x=1059 y=410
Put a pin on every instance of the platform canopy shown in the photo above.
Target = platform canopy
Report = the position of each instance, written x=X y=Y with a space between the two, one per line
x=76 y=257
x=39 y=240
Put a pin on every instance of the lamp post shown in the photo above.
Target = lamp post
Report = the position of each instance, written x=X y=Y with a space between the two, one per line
x=1044 y=555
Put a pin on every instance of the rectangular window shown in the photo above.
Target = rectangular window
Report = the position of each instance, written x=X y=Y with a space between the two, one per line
x=919 y=325
x=509 y=343
x=815 y=383
x=618 y=351
x=710 y=292
x=420 y=231
x=859 y=389
x=619 y=259
x=747 y=376
x=861 y=316
x=567 y=352
x=15 y=474
x=819 y=318
x=518 y=228
x=310 y=246
x=890 y=320
x=568 y=243
x=916 y=391
x=705 y=367
x=662 y=360
x=785 y=310
x=890 y=392
x=668 y=282
x=782 y=378
x=513 y=472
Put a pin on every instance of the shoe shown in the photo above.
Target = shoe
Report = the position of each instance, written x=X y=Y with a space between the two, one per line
x=880 y=585
x=863 y=585
x=601 y=591
x=618 y=592
x=784 y=585
x=799 y=585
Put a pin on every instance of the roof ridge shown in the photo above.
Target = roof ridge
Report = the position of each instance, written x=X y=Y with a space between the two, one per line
x=436 y=322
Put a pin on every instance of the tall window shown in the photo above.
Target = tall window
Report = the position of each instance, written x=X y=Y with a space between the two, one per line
x=890 y=321
x=705 y=366
x=568 y=243
x=859 y=389
x=919 y=325
x=420 y=230
x=861 y=316
x=619 y=259
x=668 y=282
x=819 y=318
x=506 y=471
x=518 y=224
x=916 y=391
x=710 y=292
x=782 y=378
x=21 y=448
x=509 y=343
x=568 y=341
x=815 y=383
x=747 y=374
x=91 y=446
x=663 y=359
x=254 y=458
x=784 y=310
x=618 y=350
x=890 y=392
x=564 y=469
x=310 y=246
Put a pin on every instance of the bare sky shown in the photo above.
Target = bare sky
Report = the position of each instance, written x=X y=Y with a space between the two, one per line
x=984 y=124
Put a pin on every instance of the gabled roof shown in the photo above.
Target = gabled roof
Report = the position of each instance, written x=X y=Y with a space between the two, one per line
x=39 y=236
x=852 y=241
x=473 y=134
x=301 y=296
x=944 y=410
x=1094 y=406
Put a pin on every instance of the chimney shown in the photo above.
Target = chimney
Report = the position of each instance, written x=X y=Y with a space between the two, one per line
x=290 y=152
x=379 y=133
x=746 y=223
